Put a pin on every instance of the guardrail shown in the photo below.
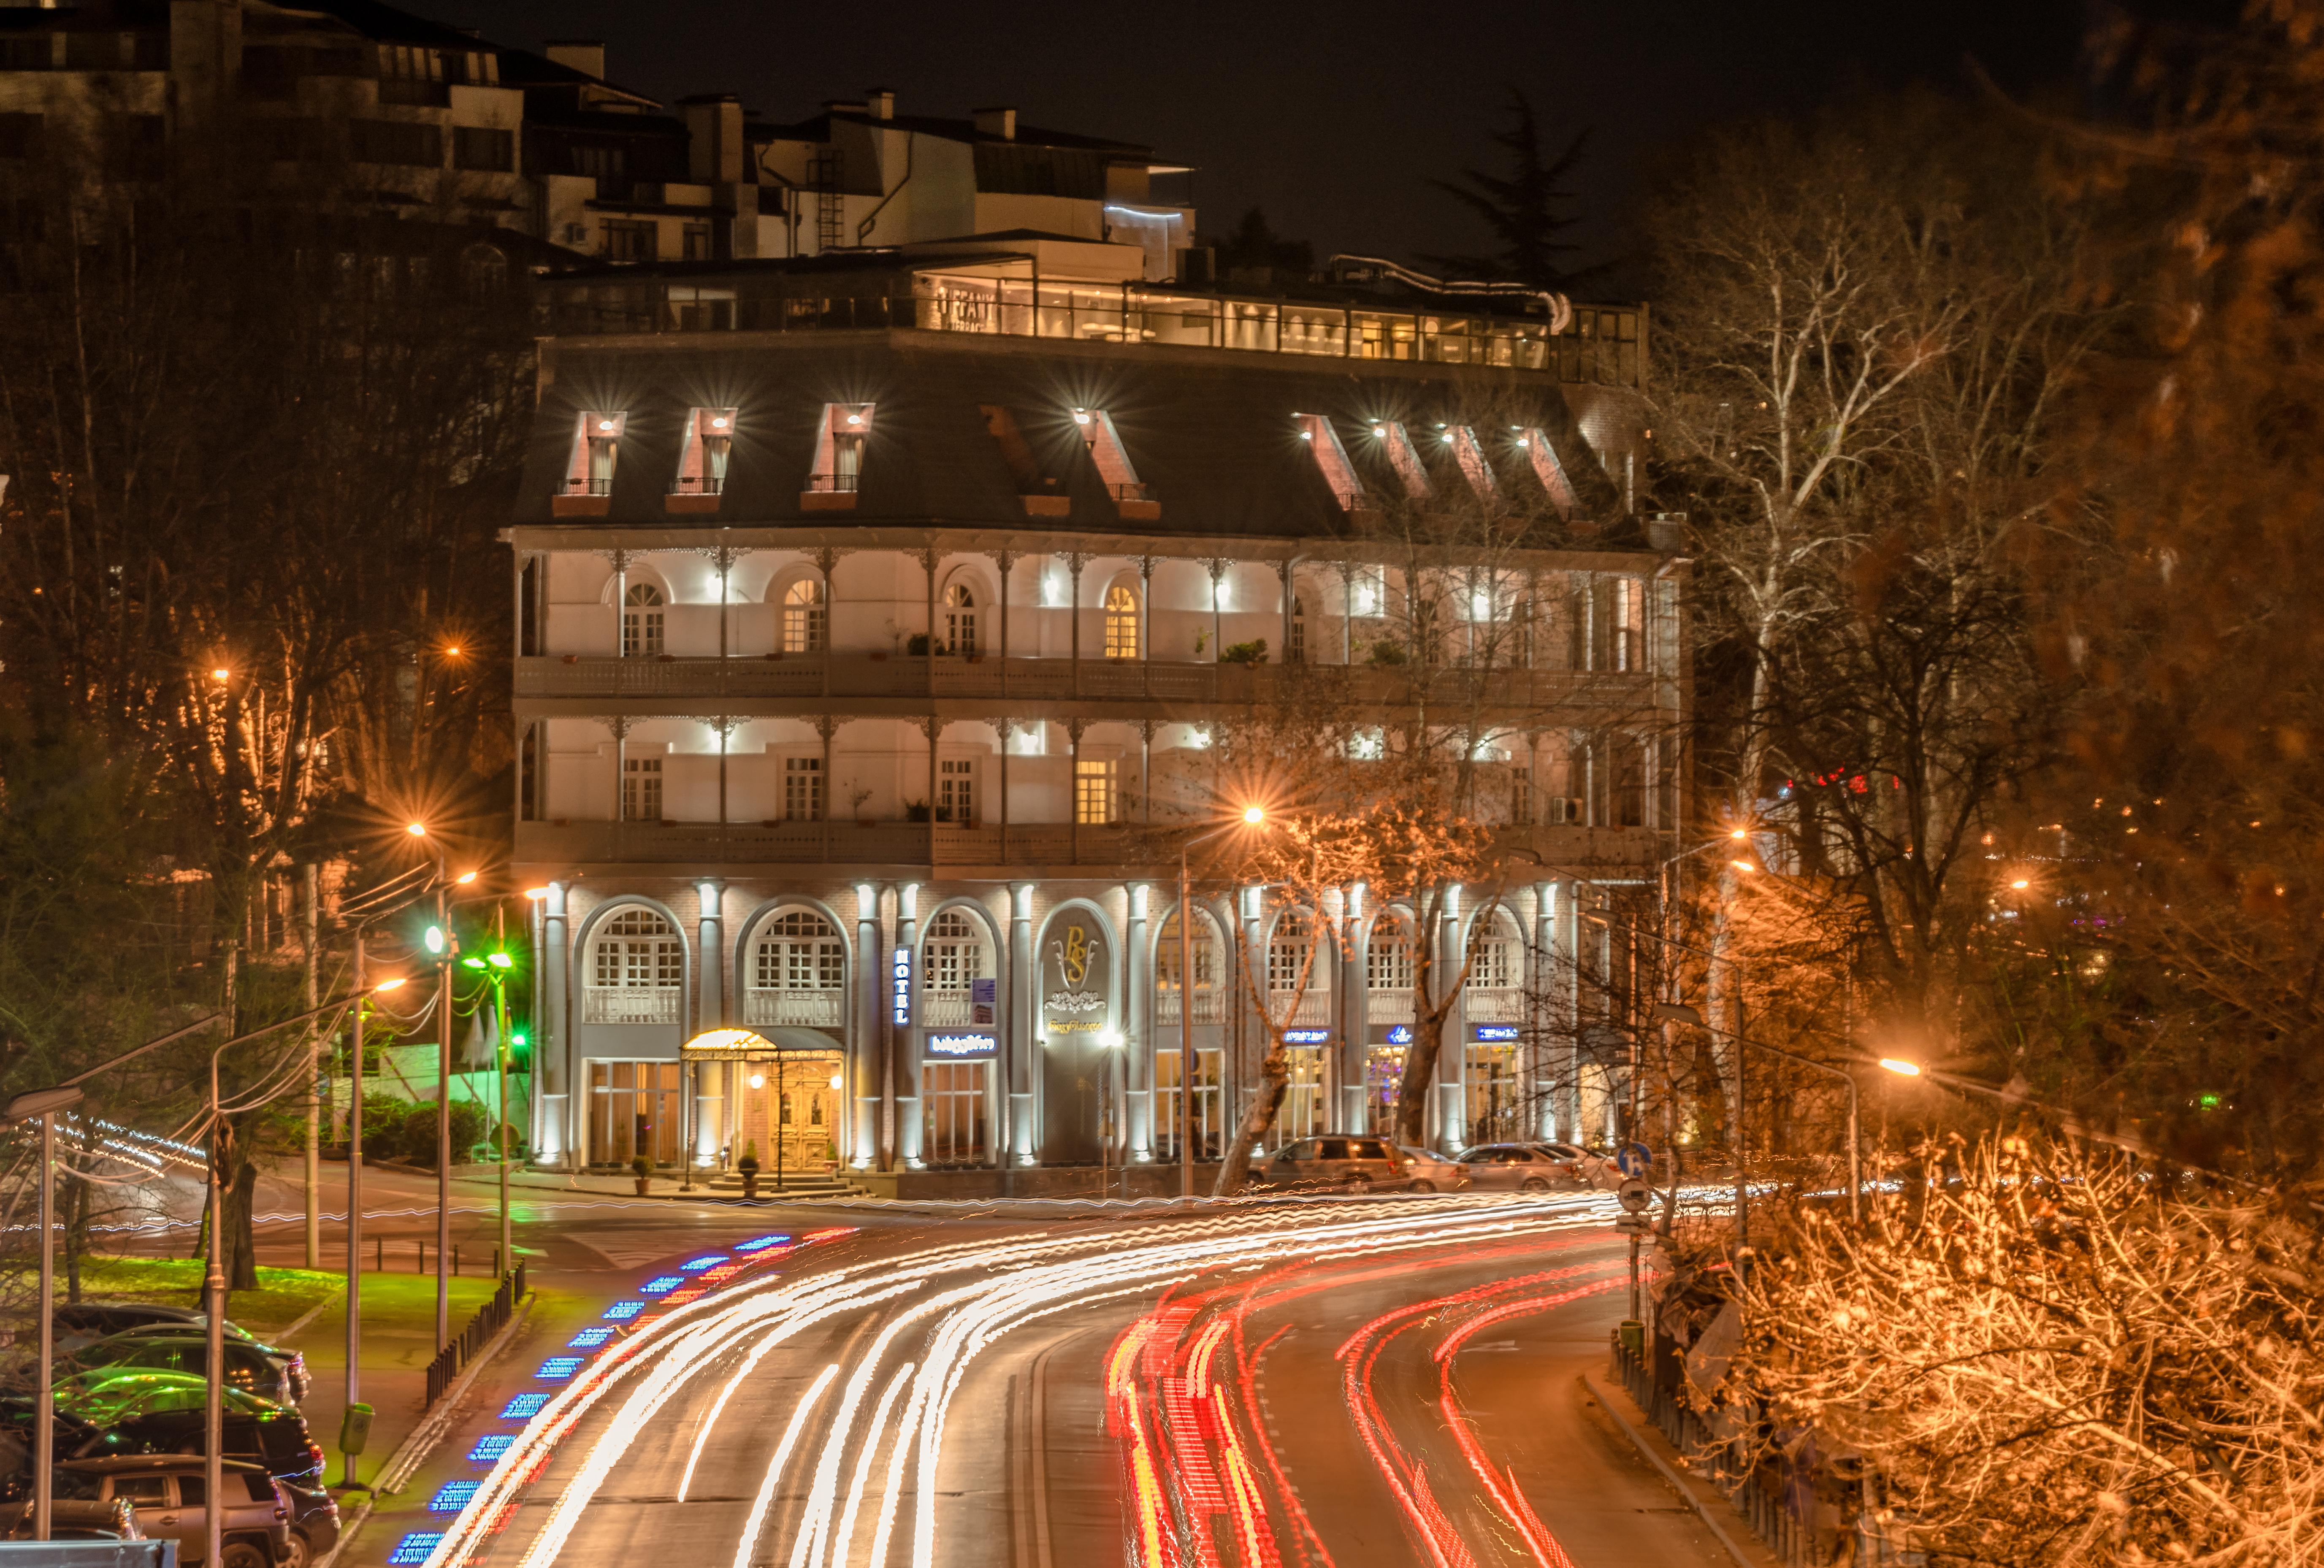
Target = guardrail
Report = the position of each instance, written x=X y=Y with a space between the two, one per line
x=1783 y=1500
x=491 y=1318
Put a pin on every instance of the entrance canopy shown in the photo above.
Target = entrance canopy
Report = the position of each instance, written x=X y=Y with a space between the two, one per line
x=744 y=1044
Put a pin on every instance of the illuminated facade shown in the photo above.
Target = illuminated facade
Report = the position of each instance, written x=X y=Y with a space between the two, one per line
x=871 y=630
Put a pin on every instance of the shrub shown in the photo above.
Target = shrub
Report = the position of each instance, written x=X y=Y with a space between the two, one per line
x=1387 y=653
x=1250 y=653
x=749 y=1160
x=382 y=1124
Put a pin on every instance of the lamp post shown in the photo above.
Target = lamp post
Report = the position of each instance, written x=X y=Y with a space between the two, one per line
x=2015 y=1097
x=1252 y=816
x=494 y=966
x=446 y=948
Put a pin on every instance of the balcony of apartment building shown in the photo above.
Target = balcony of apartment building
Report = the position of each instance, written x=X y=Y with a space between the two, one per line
x=991 y=678
x=1599 y=345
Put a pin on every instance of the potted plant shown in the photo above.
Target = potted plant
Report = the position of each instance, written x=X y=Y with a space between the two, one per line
x=642 y=1168
x=749 y=1166
x=916 y=811
x=1250 y=653
x=856 y=798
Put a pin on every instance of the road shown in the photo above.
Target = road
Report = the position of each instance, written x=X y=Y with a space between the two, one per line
x=1333 y=1383
x=1326 y=1383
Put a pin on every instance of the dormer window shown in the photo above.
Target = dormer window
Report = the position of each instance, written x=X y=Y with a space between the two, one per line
x=702 y=461
x=1130 y=497
x=1543 y=458
x=588 y=486
x=1404 y=459
x=838 y=457
x=1322 y=441
x=1471 y=459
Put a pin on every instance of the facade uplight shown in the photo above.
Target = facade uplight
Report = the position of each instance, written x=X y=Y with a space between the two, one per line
x=1080 y=415
x=536 y=894
x=605 y=427
x=1911 y=1069
x=721 y=422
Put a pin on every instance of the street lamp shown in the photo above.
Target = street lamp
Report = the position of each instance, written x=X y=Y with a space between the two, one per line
x=1252 y=816
x=1680 y=1013
x=445 y=944
x=495 y=966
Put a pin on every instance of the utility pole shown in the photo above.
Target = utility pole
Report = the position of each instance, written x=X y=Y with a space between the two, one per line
x=444 y=1113
x=355 y=1209
x=314 y=1084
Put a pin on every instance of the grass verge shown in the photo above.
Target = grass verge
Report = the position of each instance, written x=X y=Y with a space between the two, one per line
x=283 y=1295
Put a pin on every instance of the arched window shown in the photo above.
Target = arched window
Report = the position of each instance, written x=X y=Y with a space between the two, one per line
x=1296 y=652
x=1387 y=970
x=960 y=619
x=641 y=609
x=1121 y=623
x=953 y=960
x=1202 y=950
x=799 y=972
x=805 y=617
x=1496 y=977
x=1288 y=949
x=637 y=970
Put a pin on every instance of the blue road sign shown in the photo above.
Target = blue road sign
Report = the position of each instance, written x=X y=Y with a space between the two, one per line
x=1633 y=1159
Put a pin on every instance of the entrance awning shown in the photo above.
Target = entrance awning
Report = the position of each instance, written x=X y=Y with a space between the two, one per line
x=745 y=1044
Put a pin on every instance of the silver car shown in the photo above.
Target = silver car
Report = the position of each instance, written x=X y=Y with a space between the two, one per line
x=1515 y=1167
x=166 y=1493
x=1432 y=1172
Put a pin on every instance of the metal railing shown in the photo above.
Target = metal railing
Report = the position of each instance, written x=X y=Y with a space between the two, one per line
x=588 y=486
x=1493 y=1004
x=1131 y=493
x=703 y=484
x=1783 y=1500
x=491 y=1318
x=1210 y=1005
x=832 y=483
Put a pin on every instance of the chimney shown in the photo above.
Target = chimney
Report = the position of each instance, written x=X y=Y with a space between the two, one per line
x=714 y=138
x=1000 y=122
x=882 y=103
x=586 y=55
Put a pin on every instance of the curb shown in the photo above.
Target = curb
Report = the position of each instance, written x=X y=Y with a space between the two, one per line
x=401 y=1464
x=1637 y=1439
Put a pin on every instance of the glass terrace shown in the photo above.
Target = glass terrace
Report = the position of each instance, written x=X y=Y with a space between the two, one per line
x=1603 y=346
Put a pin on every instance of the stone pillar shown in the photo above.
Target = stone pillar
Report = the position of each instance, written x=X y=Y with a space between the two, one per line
x=904 y=1040
x=1452 y=1056
x=1023 y=1038
x=864 y=1054
x=1138 y=1015
x=553 y=1065
x=1355 y=1023
x=1539 y=1067
x=710 y=1012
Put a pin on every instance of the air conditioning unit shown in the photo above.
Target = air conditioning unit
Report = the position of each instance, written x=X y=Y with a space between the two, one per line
x=577 y=233
x=1566 y=812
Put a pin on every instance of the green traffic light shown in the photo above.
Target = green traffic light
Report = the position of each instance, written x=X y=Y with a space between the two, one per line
x=472 y=963
x=499 y=960
x=515 y=1038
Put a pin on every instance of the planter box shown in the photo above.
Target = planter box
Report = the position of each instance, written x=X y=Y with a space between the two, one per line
x=580 y=506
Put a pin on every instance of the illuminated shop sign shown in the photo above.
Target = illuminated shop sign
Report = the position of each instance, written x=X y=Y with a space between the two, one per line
x=1400 y=1035
x=1497 y=1032
x=899 y=982
x=962 y=1045
x=1306 y=1037
x=1075 y=979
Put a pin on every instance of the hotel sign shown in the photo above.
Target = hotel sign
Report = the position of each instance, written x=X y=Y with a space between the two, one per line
x=1075 y=977
x=963 y=1045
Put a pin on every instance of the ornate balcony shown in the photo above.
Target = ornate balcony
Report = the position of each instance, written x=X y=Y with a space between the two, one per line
x=812 y=1009
x=631 y=1004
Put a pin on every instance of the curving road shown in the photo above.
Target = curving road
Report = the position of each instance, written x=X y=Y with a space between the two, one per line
x=1325 y=1383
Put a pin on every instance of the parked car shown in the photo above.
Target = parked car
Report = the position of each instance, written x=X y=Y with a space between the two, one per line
x=1515 y=1167
x=280 y=1375
x=74 y=1519
x=1431 y=1171
x=1336 y=1164
x=276 y=1438
x=79 y=1323
x=167 y=1492
x=107 y=1395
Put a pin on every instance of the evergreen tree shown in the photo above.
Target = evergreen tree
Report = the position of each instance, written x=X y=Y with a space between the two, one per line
x=1525 y=211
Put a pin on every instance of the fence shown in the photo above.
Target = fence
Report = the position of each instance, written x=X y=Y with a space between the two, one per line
x=491 y=1318
x=1785 y=1500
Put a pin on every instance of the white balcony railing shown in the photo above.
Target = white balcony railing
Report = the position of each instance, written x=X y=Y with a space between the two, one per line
x=815 y=1009
x=631 y=1003
x=1208 y=1006
x=1391 y=1007
x=945 y=1007
x=1314 y=1007
x=1496 y=1004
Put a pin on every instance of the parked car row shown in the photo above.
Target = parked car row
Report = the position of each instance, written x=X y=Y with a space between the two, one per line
x=1361 y=1165
x=130 y=1391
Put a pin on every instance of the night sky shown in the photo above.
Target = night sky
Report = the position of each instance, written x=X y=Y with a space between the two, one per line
x=1330 y=117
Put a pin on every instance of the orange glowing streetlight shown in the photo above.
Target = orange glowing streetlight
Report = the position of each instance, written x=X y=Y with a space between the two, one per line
x=1899 y=1065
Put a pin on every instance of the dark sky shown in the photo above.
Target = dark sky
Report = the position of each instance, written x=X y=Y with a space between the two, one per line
x=1330 y=116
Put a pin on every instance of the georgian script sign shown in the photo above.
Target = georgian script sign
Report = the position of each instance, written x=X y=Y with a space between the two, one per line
x=1075 y=979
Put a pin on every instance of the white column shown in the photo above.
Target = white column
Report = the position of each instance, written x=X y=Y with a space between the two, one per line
x=905 y=1041
x=871 y=1026
x=1139 y=1018
x=710 y=1076
x=552 y=1062
x=1024 y=1023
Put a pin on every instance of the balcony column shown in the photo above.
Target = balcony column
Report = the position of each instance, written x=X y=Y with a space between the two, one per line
x=928 y=569
x=1005 y=560
x=1074 y=564
x=1218 y=570
x=1562 y=956
x=1073 y=727
x=621 y=602
x=1007 y=727
x=1024 y=1022
x=1140 y=1101
x=1146 y=728
x=1146 y=615
x=1251 y=901
x=621 y=728
x=1540 y=1015
x=870 y=1027
x=552 y=1070
x=710 y=1012
x=1347 y=613
x=1284 y=570
x=1355 y=1022
x=904 y=1040
x=932 y=728
x=1452 y=1055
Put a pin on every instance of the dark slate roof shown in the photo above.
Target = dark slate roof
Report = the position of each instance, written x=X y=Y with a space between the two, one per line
x=818 y=128
x=1211 y=433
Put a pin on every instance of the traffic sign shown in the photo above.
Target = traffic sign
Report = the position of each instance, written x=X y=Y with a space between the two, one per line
x=1633 y=1193
x=1633 y=1223
x=1633 y=1159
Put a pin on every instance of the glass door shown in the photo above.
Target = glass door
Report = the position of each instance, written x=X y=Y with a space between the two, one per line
x=633 y=1110
x=1169 y=1075
x=953 y=1104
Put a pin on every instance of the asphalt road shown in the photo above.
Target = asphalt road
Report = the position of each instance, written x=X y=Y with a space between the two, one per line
x=1327 y=1383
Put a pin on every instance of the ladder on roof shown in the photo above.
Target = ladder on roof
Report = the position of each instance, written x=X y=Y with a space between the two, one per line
x=823 y=174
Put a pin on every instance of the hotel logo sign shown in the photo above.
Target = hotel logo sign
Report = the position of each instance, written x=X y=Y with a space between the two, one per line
x=1075 y=977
